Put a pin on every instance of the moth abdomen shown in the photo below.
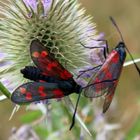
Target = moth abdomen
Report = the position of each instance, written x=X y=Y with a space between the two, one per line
x=32 y=73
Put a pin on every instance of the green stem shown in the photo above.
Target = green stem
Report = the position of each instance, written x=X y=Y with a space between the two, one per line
x=5 y=91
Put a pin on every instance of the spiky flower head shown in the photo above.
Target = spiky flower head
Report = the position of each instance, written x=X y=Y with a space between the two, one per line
x=60 y=25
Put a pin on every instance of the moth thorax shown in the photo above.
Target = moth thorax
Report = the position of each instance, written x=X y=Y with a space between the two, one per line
x=121 y=45
x=78 y=88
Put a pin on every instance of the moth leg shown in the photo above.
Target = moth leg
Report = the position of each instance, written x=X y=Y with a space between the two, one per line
x=83 y=71
x=105 y=49
x=104 y=81
x=106 y=43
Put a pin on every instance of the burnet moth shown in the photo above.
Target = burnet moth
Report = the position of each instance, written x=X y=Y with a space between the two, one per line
x=51 y=79
x=105 y=81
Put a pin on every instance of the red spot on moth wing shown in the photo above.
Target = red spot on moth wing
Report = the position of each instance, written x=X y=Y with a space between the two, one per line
x=44 y=54
x=41 y=88
x=42 y=80
x=97 y=80
x=65 y=74
x=28 y=96
x=58 y=93
x=41 y=91
x=115 y=59
x=42 y=94
x=22 y=90
x=109 y=75
x=52 y=65
x=114 y=56
x=36 y=54
x=55 y=64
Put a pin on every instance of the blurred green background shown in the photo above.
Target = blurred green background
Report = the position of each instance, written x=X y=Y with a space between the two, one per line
x=128 y=91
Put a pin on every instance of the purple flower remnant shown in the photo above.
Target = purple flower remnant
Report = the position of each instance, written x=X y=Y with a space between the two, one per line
x=97 y=55
x=31 y=4
x=5 y=65
x=2 y=55
x=25 y=132
x=46 y=5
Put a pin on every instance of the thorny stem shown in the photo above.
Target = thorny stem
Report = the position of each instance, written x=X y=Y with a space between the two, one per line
x=5 y=91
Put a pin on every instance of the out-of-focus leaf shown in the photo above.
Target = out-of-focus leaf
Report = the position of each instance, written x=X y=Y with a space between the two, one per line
x=31 y=116
x=42 y=132
x=134 y=131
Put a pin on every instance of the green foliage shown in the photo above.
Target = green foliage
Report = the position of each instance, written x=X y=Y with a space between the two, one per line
x=41 y=131
x=134 y=131
x=31 y=116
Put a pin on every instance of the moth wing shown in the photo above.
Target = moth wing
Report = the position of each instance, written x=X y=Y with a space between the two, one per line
x=103 y=79
x=100 y=88
x=36 y=91
x=109 y=96
x=46 y=62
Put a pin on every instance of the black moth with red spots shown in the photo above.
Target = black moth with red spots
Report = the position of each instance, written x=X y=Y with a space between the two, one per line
x=51 y=79
x=105 y=81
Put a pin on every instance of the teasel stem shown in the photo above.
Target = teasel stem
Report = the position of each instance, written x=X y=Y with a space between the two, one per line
x=5 y=91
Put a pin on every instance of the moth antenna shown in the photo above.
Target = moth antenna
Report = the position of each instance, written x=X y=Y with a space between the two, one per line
x=73 y=118
x=116 y=26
